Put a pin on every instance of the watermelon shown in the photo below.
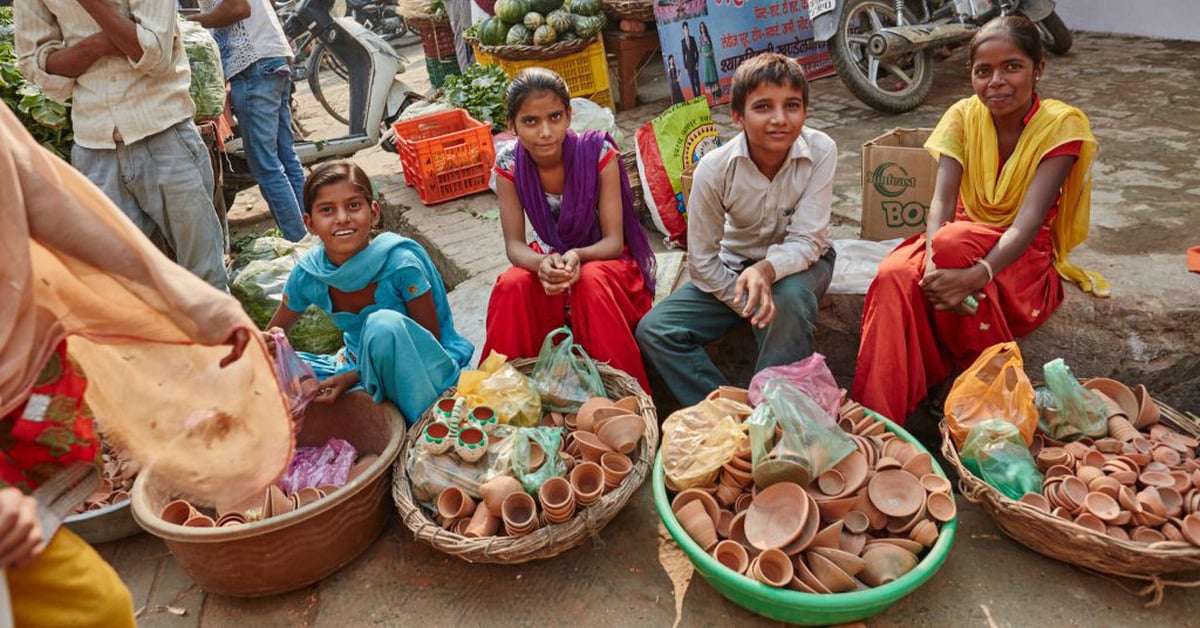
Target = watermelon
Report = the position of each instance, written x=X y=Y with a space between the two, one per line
x=533 y=20
x=512 y=11
x=544 y=36
x=585 y=7
x=546 y=6
x=587 y=26
x=568 y=36
x=560 y=21
x=493 y=32
x=518 y=35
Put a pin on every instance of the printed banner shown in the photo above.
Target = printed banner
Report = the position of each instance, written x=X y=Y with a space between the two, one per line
x=704 y=41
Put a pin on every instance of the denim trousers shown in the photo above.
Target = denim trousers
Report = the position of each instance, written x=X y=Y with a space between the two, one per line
x=260 y=95
x=164 y=181
x=674 y=334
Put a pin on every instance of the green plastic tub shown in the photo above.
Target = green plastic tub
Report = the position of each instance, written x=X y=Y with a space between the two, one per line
x=797 y=607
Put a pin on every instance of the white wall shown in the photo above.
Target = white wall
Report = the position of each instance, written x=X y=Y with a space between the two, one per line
x=1164 y=19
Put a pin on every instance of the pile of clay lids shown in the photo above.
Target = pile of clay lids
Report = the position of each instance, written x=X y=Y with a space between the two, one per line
x=862 y=524
x=115 y=483
x=1140 y=483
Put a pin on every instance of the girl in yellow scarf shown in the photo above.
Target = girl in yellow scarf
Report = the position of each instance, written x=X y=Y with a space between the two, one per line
x=1012 y=198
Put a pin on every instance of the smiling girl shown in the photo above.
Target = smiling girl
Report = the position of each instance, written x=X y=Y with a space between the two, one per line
x=383 y=293
x=591 y=266
x=1012 y=197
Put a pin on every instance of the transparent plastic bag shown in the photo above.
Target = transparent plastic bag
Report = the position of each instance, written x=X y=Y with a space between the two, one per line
x=1077 y=411
x=501 y=387
x=550 y=440
x=564 y=375
x=994 y=387
x=857 y=264
x=804 y=449
x=207 y=88
x=811 y=376
x=296 y=378
x=316 y=466
x=697 y=441
x=996 y=453
x=430 y=474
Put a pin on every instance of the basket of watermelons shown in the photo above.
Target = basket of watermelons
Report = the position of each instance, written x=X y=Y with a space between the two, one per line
x=524 y=30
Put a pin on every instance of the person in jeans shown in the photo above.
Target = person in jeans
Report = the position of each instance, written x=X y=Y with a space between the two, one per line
x=122 y=66
x=256 y=57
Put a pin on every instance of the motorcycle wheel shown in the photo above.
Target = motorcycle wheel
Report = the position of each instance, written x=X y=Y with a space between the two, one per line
x=884 y=86
x=1055 y=35
x=330 y=83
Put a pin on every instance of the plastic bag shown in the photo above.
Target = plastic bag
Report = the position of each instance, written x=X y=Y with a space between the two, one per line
x=316 y=466
x=208 y=80
x=501 y=387
x=296 y=378
x=550 y=440
x=697 y=441
x=1076 y=411
x=857 y=263
x=589 y=116
x=811 y=376
x=996 y=453
x=662 y=155
x=994 y=387
x=564 y=375
x=805 y=447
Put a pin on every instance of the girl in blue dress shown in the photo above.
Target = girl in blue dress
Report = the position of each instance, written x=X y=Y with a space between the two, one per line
x=383 y=293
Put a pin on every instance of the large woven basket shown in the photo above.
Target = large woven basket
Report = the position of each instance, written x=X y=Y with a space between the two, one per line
x=1160 y=564
x=546 y=541
x=534 y=53
x=636 y=10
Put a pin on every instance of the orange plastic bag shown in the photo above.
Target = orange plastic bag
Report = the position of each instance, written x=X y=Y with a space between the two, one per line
x=994 y=387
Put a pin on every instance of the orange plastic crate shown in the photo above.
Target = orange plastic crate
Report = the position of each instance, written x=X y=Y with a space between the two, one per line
x=445 y=155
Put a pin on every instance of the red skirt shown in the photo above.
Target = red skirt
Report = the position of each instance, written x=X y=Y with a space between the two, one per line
x=907 y=346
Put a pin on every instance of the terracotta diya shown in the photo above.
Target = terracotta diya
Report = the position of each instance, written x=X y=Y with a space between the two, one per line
x=777 y=516
x=896 y=493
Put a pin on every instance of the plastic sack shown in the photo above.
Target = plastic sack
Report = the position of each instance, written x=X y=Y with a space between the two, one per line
x=698 y=440
x=805 y=447
x=208 y=80
x=1076 y=411
x=501 y=387
x=996 y=453
x=316 y=466
x=296 y=378
x=857 y=263
x=811 y=376
x=564 y=375
x=589 y=116
x=994 y=387
x=550 y=440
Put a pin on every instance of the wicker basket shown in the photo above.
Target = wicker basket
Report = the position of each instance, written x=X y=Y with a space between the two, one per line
x=533 y=53
x=437 y=36
x=546 y=541
x=1071 y=543
x=636 y=10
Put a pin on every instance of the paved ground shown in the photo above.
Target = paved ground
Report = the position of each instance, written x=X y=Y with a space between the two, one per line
x=1140 y=95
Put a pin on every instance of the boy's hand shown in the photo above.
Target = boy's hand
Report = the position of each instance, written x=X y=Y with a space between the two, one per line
x=754 y=286
x=20 y=535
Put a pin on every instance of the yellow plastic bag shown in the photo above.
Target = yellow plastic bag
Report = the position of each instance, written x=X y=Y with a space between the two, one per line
x=501 y=387
x=698 y=441
x=994 y=387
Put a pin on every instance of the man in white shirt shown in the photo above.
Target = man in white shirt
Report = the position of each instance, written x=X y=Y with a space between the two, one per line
x=758 y=236
x=255 y=55
x=123 y=67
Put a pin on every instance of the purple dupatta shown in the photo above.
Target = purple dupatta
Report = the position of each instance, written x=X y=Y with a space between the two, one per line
x=578 y=223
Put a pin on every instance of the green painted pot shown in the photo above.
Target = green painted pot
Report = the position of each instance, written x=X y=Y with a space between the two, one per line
x=797 y=607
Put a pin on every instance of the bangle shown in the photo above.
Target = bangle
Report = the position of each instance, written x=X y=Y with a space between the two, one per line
x=987 y=267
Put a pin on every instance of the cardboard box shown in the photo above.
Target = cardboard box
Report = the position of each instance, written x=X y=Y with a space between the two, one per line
x=898 y=176
x=685 y=182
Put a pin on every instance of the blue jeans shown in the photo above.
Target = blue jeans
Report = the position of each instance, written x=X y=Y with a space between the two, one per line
x=260 y=96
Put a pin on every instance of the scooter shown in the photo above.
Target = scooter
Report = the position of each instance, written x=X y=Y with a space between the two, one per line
x=377 y=94
x=883 y=49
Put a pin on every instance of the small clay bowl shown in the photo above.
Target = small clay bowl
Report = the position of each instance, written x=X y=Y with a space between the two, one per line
x=935 y=483
x=724 y=521
x=583 y=418
x=1157 y=479
x=1143 y=534
x=1118 y=392
x=1035 y=500
x=628 y=404
x=919 y=465
x=777 y=516
x=1092 y=522
x=812 y=525
x=697 y=494
x=732 y=555
x=696 y=522
x=831 y=483
x=886 y=563
x=896 y=493
x=590 y=446
x=941 y=507
x=829 y=536
x=925 y=533
x=805 y=575
x=856 y=522
x=1190 y=527
x=852 y=564
x=1102 y=505
x=830 y=575
x=1117 y=532
x=1148 y=410
x=454 y=503
x=853 y=543
x=907 y=545
x=854 y=470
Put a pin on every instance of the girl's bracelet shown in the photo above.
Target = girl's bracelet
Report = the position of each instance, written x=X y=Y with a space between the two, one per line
x=987 y=267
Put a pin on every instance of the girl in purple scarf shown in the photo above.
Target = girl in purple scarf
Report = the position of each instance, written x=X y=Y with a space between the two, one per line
x=590 y=265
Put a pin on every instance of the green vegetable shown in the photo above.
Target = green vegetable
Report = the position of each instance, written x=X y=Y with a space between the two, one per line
x=204 y=57
x=586 y=26
x=544 y=36
x=480 y=90
x=493 y=31
x=546 y=6
x=49 y=122
x=560 y=21
x=533 y=20
x=518 y=35
x=511 y=11
x=585 y=7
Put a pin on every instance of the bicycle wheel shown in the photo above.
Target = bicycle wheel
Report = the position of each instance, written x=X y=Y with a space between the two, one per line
x=330 y=83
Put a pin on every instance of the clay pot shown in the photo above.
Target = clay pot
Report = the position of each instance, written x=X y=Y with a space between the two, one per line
x=230 y=519
x=586 y=414
x=1036 y=501
x=925 y=533
x=724 y=521
x=519 y=514
x=856 y=522
x=698 y=524
x=726 y=495
x=896 y=493
x=590 y=446
x=854 y=470
x=295 y=500
x=471 y=444
x=941 y=507
x=537 y=456
x=934 y=483
x=496 y=489
x=836 y=509
x=622 y=433
x=617 y=466
x=1116 y=391
x=777 y=516
x=178 y=512
x=732 y=555
x=454 y=503
x=1148 y=410
x=1107 y=485
x=484 y=416
x=886 y=463
x=885 y=563
x=445 y=408
x=831 y=482
x=199 y=521
x=587 y=479
x=307 y=496
x=557 y=499
x=745 y=499
x=737 y=532
x=697 y=494
x=483 y=523
x=1089 y=473
x=459 y=526
x=739 y=476
x=772 y=567
x=1116 y=532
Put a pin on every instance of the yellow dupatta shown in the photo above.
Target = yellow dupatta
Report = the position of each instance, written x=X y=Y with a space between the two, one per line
x=993 y=196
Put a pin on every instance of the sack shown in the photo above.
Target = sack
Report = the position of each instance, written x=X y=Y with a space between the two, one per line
x=501 y=387
x=667 y=145
x=857 y=263
x=564 y=375
x=805 y=448
x=1073 y=411
x=697 y=441
x=589 y=116
x=996 y=453
x=812 y=377
x=994 y=387
x=208 y=80
x=296 y=377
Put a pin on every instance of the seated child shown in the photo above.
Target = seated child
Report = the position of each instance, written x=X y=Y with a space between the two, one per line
x=758 y=236
x=591 y=265
x=384 y=293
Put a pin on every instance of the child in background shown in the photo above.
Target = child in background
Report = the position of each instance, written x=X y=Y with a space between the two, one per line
x=383 y=293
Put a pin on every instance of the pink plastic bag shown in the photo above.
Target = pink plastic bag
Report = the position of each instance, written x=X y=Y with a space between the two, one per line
x=812 y=376
x=317 y=466
x=296 y=378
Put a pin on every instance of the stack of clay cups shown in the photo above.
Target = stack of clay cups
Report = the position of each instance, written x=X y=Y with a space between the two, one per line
x=519 y=513
x=587 y=482
x=558 y=500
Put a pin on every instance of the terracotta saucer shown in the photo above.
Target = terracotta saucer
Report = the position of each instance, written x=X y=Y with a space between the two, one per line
x=777 y=516
x=896 y=493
